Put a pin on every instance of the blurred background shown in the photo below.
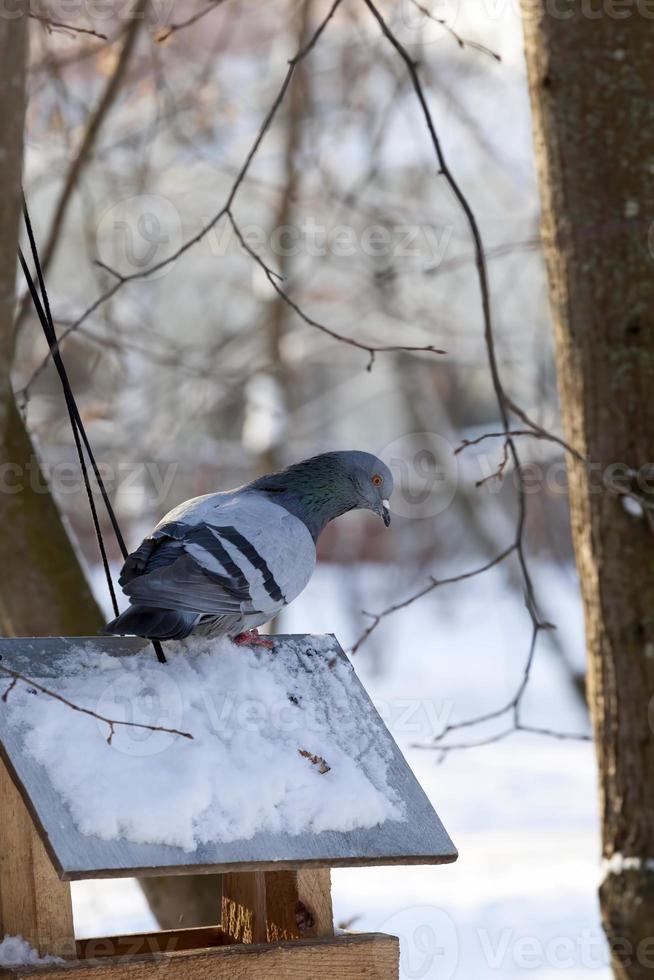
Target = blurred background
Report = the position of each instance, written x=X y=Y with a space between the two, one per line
x=199 y=377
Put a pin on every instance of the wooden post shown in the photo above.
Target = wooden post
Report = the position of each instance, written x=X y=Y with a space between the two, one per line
x=34 y=903
x=277 y=905
x=243 y=907
x=299 y=905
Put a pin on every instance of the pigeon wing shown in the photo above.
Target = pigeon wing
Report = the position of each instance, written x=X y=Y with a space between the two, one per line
x=225 y=554
x=173 y=578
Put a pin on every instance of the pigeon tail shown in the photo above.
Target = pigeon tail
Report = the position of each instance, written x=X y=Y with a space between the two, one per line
x=153 y=624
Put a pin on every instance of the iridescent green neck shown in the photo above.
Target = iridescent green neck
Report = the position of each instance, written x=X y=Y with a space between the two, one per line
x=316 y=491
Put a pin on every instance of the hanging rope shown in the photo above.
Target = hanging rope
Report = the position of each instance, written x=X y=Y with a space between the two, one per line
x=42 y=307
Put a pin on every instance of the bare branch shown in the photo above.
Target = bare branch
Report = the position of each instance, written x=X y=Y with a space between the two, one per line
x=433 y=583
x=113 y=723
x=223 y=211
x=534 y=433
x=272 y=278
x=89 y=139
x=54 y=25
x=504 y=402
x=443 y=750
x=462 y=42
x=166 y=32
x=501 y=466
x=522 y=415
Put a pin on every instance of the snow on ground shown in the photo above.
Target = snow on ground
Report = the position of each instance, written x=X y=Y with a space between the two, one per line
x=521 y=900
x=251 y=713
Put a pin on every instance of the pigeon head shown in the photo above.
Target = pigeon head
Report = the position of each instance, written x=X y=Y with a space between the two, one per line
x=321 y=488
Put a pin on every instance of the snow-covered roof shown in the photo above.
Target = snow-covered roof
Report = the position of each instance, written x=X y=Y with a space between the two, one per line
x=225 y=758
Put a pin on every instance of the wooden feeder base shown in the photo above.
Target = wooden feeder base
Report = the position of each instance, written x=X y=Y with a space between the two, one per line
x=368 y=956
x=275 y=925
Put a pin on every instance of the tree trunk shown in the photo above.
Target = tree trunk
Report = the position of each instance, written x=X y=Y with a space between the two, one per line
x=43 y=589
x=591 y=80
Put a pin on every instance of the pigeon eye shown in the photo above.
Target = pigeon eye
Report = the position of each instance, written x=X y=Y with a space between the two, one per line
x=377 y=480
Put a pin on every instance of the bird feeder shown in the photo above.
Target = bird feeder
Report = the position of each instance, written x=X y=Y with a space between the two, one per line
x=274 y=916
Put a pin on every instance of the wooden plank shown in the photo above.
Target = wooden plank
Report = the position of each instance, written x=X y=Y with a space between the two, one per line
x=364 y=957
x=34 y=903
x=243 y=907
x=277 y=905
x=137 y=944
x=419 y=839
x=299 y=905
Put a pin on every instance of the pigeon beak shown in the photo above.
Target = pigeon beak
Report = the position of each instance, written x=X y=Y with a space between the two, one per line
x=386 y=512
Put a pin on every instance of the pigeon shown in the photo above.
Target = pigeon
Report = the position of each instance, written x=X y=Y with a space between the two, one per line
x=226 y=563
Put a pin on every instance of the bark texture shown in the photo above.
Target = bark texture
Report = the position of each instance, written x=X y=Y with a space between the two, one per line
x=42 y=588
x=591 y=80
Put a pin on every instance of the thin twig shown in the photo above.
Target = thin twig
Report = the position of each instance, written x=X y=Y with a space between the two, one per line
x=113 y=723
x=240 y=177
x=504 y=403
x=522 y=415
x=433 y=583
x=498 y=473
x=504 y=734
x=534 y=433
x=166 y=32
x=89 y=139
x=462 y=42
x=272 y=278
x=225 y=211
x=55 y=25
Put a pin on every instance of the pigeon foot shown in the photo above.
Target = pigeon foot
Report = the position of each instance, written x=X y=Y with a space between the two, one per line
x=253 y=639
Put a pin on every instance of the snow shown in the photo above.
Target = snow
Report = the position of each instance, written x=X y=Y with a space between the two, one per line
x=617 y=864
x=15 y=951
x=241 y=773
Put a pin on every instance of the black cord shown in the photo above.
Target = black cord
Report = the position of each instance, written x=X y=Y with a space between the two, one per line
x=79 y=433
x=73 y=411
x=76 y=435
